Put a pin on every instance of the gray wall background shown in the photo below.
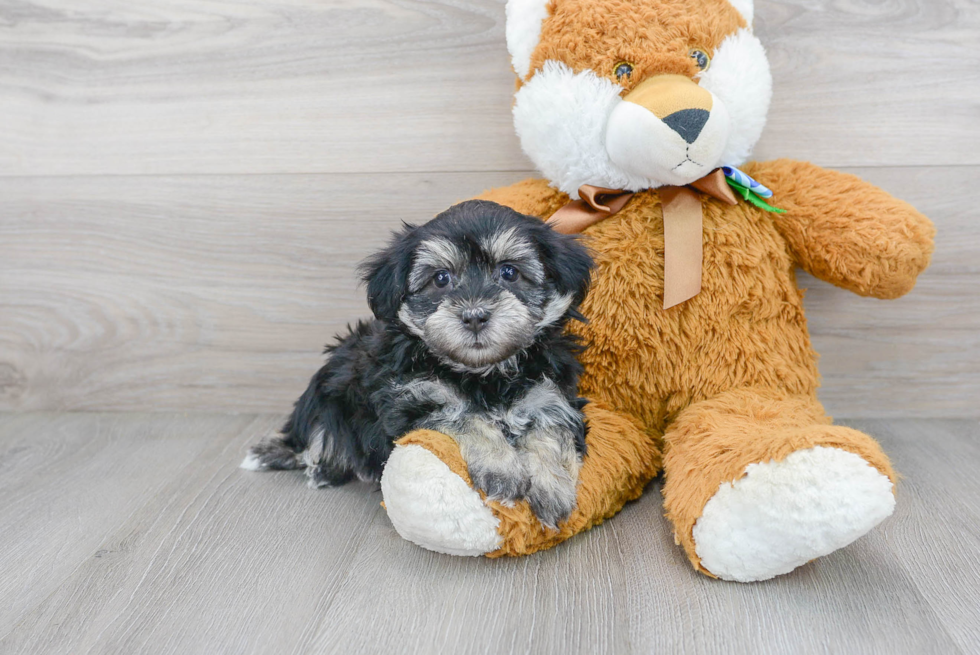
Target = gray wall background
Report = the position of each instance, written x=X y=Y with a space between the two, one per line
x=186 y=186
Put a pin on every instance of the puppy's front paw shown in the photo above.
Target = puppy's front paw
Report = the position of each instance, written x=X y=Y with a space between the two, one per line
x=503 y=482
x=553 y=468
x=552 y=499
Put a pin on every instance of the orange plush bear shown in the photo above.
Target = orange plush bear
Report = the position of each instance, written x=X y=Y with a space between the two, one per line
x=699 y=362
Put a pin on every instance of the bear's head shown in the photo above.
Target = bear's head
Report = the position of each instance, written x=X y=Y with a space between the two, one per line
x=636 y=94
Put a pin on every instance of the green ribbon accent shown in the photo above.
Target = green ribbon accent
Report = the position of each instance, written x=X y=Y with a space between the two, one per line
x=753 y=198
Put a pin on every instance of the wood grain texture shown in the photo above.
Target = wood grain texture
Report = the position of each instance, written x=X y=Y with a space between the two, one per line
x=469 y=605
x=935 y=459
x=66 y=482
x=852 y=601
x=216 y=559
x=189 y=285
x=285 y=86
x=217 y=293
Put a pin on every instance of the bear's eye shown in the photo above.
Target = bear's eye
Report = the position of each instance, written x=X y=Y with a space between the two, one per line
x=701 y=58
x=508 y=273
x=623 y=69
x=442 y=279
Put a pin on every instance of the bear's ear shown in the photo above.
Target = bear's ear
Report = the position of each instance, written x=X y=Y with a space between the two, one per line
x=746 y=8
x=524 y=18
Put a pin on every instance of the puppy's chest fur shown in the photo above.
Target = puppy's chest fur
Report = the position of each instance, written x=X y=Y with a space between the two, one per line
x=509 y=410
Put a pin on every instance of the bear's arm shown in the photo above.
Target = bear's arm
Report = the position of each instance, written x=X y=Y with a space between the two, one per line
x=846 y=231
x=532 y=197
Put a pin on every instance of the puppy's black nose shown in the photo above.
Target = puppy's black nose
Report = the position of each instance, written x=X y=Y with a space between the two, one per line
x=475 y=318
x=688 y=123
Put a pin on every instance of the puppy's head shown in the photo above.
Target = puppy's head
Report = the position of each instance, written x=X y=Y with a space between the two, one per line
x=479 y=283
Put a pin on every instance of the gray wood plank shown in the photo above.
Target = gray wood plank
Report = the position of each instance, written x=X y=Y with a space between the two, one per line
x=216 y=293
x=425 y=85
x=565 y=600
x=898 y=373
x=857 y=600
x=855 y=82
x=68 y=481
x=220 y=560
x=936 y=530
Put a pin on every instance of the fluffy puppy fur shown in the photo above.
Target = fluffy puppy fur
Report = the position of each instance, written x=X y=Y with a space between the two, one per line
x=469 y=339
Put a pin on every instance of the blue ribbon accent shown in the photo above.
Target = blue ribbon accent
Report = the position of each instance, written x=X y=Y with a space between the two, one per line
x=733 y=173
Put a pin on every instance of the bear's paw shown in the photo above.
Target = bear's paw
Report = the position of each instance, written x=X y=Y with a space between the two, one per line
x=783 y=514
x=435 y=508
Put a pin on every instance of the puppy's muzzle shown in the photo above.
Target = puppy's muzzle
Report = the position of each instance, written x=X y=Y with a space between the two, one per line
x=475 y=318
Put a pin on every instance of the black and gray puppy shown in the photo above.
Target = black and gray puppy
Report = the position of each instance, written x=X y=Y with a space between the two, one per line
x=469 y=339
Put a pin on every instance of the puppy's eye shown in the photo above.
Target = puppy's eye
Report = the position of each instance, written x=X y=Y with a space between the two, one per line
x=701 y=58
x=508 y=273
x=442 y=279
x=623 y=70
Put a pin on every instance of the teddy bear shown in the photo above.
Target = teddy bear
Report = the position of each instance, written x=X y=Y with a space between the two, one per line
x=642 y=116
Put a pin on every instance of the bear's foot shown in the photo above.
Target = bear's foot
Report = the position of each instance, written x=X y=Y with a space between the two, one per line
x=781 y=515
x=760 y=482
x=431 y=501
x=434 y=507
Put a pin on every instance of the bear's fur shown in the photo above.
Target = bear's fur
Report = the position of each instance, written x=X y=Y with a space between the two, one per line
x=725 y=383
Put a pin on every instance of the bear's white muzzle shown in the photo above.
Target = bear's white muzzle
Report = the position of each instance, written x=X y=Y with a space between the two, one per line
x=669 y=129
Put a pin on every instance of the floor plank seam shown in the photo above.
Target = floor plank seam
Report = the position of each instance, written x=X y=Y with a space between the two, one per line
x=314 y=628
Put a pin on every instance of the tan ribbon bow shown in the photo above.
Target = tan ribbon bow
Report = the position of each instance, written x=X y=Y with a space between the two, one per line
x=683 y=226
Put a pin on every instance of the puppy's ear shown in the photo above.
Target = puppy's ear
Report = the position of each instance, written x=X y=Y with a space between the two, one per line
x=386 y=275
x=567 y=262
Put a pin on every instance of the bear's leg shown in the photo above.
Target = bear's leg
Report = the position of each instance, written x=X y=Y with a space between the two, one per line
x=431 y=501
x=760 y=482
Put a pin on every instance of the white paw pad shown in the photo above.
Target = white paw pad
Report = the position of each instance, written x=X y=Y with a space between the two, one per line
x=433 y=507
x=781 y=515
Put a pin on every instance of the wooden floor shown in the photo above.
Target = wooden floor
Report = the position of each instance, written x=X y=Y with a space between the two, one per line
x=127 y=533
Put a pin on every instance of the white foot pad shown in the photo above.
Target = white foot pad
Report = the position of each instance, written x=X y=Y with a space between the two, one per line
x=431 y=506
x=784 y=514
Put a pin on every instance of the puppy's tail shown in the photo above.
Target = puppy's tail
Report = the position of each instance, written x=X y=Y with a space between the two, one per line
x=273 y=454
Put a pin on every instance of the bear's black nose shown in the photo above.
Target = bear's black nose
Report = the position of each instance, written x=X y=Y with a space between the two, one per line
x=475 y=318
x=688 y=123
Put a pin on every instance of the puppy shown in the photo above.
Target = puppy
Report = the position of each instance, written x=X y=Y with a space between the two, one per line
x=469 y=339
